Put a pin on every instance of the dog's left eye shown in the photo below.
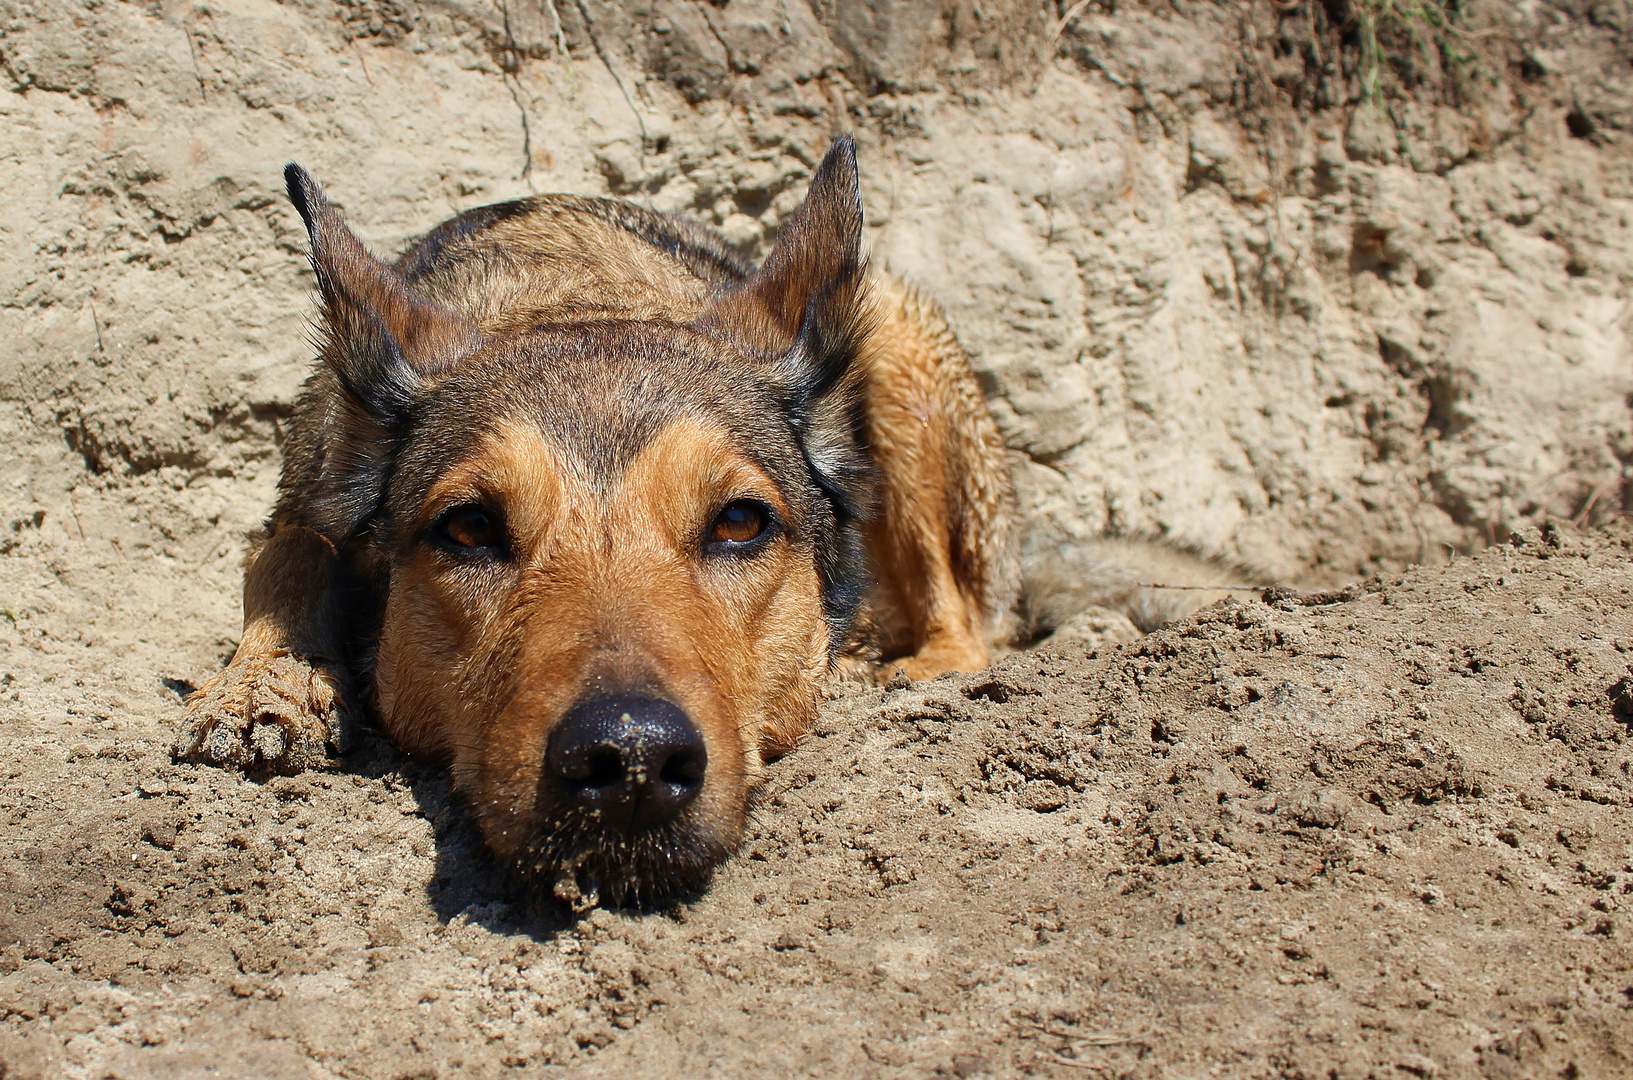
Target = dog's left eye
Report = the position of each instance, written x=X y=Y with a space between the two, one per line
x=470 y=527
x=739 y=523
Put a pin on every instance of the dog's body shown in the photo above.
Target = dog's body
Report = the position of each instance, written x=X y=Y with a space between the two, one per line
x=598 y=508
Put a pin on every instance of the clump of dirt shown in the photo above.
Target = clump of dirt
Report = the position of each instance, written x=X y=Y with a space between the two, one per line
x=1321 y=836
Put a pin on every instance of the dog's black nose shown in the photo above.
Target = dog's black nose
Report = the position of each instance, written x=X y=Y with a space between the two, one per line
x=634 y=761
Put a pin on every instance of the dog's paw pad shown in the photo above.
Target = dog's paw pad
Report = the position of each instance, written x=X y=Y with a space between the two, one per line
x=279 y=713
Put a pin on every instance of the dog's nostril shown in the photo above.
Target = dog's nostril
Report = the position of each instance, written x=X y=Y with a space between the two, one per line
x=602 y=767
x=684 y=768
x=636 y=762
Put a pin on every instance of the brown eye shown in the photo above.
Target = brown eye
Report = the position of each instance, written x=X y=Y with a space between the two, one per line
x=739 y=523
x=470 y=527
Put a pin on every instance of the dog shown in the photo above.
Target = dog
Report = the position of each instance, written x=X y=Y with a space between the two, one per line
x=594 y=509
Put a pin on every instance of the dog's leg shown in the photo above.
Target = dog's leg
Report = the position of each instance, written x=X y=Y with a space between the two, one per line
x=278 y=705
x=942 y=541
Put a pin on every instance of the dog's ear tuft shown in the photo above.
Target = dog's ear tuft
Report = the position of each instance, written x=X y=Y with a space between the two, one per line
x=381 y=346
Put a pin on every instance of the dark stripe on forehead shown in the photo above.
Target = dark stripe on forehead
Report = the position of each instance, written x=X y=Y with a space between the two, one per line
x=703 y=253
x=701 y=250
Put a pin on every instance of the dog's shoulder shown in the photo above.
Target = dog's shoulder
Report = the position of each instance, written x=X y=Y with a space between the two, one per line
x=569 y=258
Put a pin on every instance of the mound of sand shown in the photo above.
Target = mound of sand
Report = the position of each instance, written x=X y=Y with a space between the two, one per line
x=1389 y=831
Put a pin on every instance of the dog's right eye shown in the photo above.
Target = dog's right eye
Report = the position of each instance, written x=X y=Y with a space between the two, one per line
x=739 y=524
x=470 y=527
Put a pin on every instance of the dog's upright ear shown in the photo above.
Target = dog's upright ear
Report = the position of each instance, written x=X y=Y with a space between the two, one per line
x=810 y=296
x=809 y=310
x=383 y=346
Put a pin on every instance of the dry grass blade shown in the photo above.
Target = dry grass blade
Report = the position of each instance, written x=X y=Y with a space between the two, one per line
x=1066 y=20
x=1092 y=1038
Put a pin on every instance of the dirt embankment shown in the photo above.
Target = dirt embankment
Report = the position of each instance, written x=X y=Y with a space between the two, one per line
x=1218 y=290
x=1231 y=275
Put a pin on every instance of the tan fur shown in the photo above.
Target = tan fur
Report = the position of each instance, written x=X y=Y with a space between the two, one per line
x=943 y=541
x=284 y=682
x=613 y=275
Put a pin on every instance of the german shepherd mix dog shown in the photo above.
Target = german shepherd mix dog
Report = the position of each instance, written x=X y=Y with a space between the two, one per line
x=597 y=508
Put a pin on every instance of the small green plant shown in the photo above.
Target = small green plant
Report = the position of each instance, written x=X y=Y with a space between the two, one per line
x=1430 y=24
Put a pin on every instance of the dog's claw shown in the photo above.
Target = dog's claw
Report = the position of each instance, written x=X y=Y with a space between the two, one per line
x=280 y=713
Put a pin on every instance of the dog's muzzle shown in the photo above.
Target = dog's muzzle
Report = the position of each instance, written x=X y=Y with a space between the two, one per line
x=632 y=762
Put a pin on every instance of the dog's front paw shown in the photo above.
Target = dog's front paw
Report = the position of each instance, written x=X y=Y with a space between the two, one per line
x=276 y=712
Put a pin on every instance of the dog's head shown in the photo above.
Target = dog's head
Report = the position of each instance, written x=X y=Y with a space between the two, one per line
x=616 y=557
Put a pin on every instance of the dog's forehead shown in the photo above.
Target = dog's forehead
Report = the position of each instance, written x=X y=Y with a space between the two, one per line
x=599 y=394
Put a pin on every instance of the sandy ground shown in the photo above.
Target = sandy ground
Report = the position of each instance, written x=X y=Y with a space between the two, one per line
x=1382 y=836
